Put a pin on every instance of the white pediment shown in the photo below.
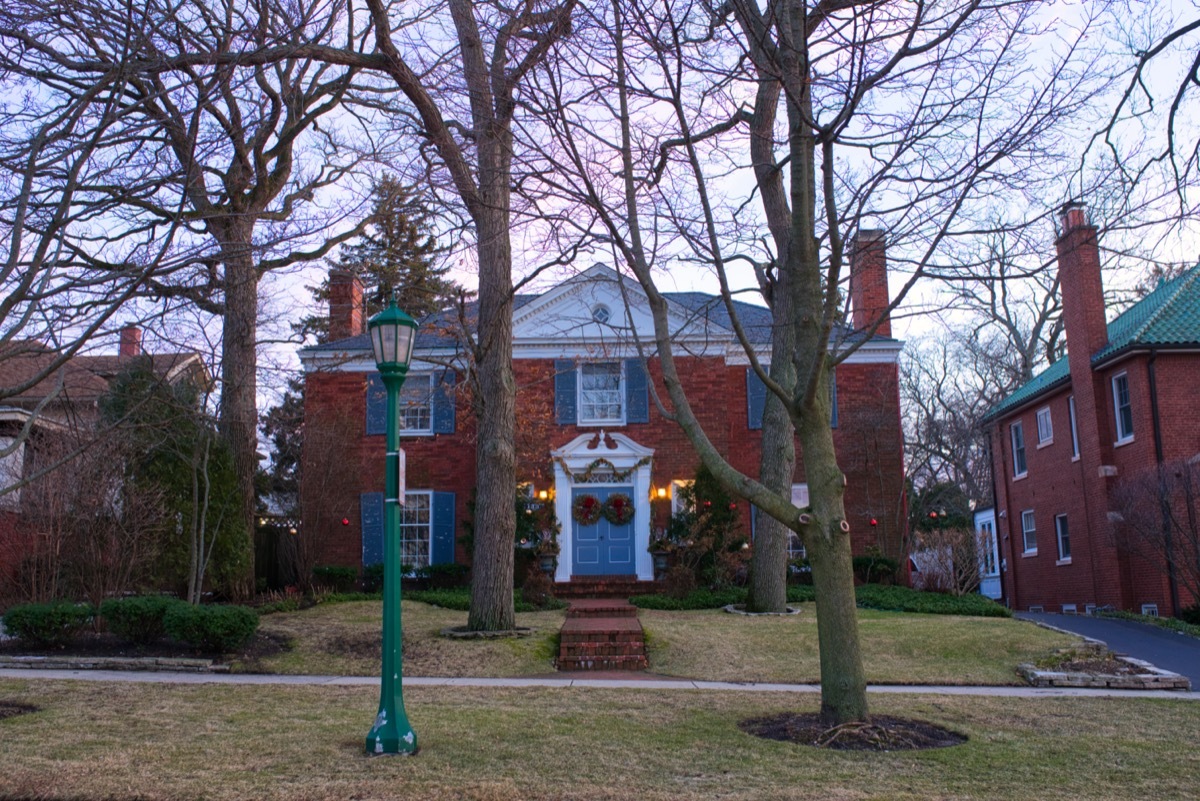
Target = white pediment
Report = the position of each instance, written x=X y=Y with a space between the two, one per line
x=601 y=312
x=618 y=449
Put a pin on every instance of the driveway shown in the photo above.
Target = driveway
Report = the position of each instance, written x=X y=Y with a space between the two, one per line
x=1165 y=649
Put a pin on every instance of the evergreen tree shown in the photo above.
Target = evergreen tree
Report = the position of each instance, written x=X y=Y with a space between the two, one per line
x=396 y=255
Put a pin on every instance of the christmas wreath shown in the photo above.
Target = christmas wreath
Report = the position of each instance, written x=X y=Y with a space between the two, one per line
x=586 y=510
x=618 y=509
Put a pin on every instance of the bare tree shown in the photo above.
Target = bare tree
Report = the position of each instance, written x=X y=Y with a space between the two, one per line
x=855 y=115
x=230 y=157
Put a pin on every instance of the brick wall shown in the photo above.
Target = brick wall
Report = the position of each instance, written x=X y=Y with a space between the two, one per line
x=868 y=441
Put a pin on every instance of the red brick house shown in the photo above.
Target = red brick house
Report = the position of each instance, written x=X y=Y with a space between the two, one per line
x=586 y=420
x=1122 y=402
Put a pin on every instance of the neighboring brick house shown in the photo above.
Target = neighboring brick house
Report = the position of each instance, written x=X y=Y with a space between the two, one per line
x=50 y=416
x=579 y=376
x=1122 y=401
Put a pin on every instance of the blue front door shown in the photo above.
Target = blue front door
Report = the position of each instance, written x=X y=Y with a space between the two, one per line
x=601 y=549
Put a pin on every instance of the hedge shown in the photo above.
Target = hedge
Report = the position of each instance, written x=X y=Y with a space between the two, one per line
x=138 y=620
x=47 y=624
x=869 y=596
x=212 y=628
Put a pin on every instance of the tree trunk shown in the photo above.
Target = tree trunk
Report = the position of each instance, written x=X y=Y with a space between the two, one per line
x=239 y=408
x=777 y=466
x=495 y=404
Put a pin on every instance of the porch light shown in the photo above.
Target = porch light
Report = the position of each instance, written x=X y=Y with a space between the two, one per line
x=392 y=336
x=543 y=495
x=663 y=493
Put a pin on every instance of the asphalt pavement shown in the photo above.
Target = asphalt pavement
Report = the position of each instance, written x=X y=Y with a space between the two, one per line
x=1165 y=649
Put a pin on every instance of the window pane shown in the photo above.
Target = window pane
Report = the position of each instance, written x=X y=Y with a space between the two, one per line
x=1064 y=537
x=415 y=522
x=1124 y=407
x=600 y=396
x=414 y=404
x=1028 y=531
x=1018 y=443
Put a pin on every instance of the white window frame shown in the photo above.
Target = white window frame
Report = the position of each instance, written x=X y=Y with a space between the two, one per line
x=12 y=471
x=1045 y=427
x=586 y=421
x=1123 y=436
x=1074 y=428
x=677 y=504
x=796 y=549
x=1060 y=522
x=413 y=405
x=404 y=525
x=1028 y=529
x=1016 y=428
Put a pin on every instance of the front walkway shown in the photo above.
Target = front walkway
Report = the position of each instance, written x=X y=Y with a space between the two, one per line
x=1165 y=649
x=659 y=684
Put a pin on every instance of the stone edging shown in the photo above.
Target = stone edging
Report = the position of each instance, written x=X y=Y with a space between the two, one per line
x=170 y=664
x=1156 y=679
x=459 y=633
x=734 y=610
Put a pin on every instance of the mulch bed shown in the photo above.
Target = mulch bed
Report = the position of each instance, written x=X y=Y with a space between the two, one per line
x=10 y=709
x=880 y=733
x=1101 y=667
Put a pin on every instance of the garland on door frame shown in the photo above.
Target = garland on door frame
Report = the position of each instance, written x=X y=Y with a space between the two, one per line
x=586 y=510
x=618 y=509
x=590 y=471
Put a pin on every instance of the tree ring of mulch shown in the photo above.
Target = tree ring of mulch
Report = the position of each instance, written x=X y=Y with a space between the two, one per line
x=880 y=733
x=463 y=633
x=10 y=709
x=740 y=609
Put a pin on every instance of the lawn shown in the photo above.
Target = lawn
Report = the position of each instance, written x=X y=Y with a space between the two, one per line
x=343 y=639
x=202 y=742
x=898 y=648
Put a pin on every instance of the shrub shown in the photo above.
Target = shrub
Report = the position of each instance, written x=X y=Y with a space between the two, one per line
x=875 y=569
x=211 y=628
x=538 y=589
x=444 y=576
x=903 y=599
x=1191 y=615
x=680 y=582
x=460 y=600
x=138 y=620
x=47 y=624
x=335 y=577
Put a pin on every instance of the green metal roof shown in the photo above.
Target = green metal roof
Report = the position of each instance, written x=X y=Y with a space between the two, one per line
x=1167 y=317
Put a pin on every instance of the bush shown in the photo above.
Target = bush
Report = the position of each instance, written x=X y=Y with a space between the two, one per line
x=1191 y=615
x=903 y=599
x=372 y=578
x=460 y=600
x=538 y=589
x=876 y=569
x=47 y=624
x=211 y=628
x=138 y=620
x=335 y=577
x=444 y=576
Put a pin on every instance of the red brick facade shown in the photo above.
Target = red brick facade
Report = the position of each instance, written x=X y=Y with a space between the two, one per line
x=1081 y=488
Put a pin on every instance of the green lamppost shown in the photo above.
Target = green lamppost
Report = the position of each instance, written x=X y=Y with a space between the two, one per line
x=392 y=336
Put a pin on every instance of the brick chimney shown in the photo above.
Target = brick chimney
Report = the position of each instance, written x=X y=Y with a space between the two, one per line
x=1079 y=277
x=345 y=305
x=868 y=281
x=131 y=341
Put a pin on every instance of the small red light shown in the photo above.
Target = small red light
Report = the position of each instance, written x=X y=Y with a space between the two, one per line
x=345 y=521
x=874 y=522
x=933 y=515
x=733 y=506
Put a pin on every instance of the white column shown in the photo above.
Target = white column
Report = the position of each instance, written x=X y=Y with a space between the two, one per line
x=562 y=509
x=642 y=560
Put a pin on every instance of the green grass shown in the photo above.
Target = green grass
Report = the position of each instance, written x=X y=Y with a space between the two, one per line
x=213 y=742
x=897 y=648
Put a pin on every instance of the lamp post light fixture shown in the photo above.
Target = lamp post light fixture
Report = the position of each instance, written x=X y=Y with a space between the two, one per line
x=392 y=335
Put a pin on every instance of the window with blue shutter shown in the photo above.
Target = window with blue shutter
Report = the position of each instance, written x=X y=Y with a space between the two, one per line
x=756 y=399
x=371 y=514
x=442 y=550
x=637 y=392
x=565 y=390
x=376 y=405
x=443 y=403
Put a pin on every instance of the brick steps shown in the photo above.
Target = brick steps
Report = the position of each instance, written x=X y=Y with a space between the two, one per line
x=601 y=634
x=604 y=587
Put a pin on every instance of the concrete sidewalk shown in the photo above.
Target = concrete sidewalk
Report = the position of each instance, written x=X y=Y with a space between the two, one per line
x=149 y=677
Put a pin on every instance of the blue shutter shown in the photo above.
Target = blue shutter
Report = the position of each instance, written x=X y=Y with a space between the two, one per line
x=565 y=382
x=371 y=510
x=443 y=402
x=376 y=405
x=442 y=550
x=637 y=392
x=833 y=416
x=756 y=398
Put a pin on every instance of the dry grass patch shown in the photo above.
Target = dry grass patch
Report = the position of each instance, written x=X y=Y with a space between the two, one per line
x=217 y=742
x=897 y=648
x=344 y=640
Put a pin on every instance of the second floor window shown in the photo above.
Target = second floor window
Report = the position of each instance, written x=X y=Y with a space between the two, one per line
x=600 y=393
x=1045 y=426
x=1074 y=428
x=1122 y=407
x=415 y=407
x=1018 y=446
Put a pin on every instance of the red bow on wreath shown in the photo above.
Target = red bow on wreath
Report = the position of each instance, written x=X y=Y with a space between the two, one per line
x=586 y=510
x=618 y=509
